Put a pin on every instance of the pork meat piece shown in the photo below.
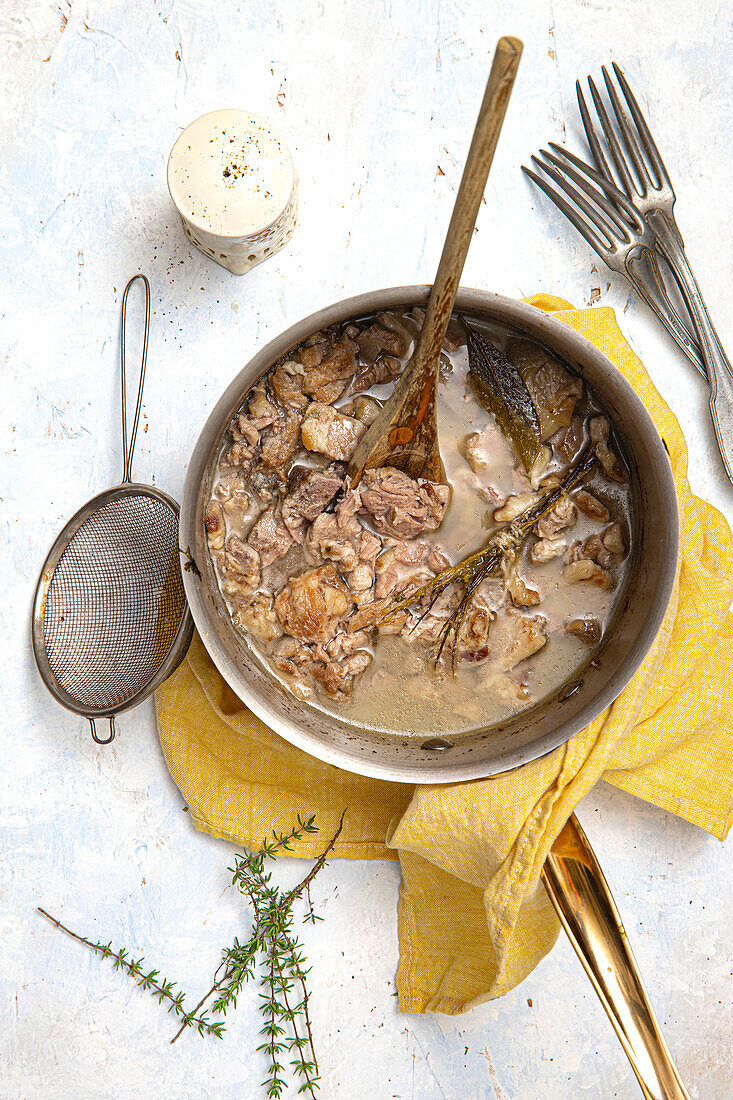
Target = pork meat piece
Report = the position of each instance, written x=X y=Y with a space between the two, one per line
x=591 y=507
x=269 y=536
x=399 y=506
x=474 y=635
x=256 y=614
x=261 y=410
x=290 y=655
x=338 y=677
x=240 y=567
x=326 y=379
x=287 y=381
x=334 y=540
x=568 y=442
x=313 y=605
x=521 y=593
x=376 y=374
x=329 y=432
x=280 y=442
x=545 y=550
x=215 y=527
x=587 y=571
x=308 y=493
x=600 y=430
x=526 y=638
x=562 y=516
x=515 y=506
x=554 y=391
x=376 y=340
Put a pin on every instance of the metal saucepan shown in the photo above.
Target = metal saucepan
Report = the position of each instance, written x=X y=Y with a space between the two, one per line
x=530 y=734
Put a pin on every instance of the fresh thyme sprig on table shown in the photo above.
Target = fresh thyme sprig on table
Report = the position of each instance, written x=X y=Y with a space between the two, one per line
x=284 y=1000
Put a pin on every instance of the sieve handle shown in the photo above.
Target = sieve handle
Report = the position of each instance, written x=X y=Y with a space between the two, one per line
x=128 y=453
x=102 y=740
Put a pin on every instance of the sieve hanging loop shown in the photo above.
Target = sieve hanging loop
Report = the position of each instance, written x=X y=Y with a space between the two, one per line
x=127 y=454
x=102 y=740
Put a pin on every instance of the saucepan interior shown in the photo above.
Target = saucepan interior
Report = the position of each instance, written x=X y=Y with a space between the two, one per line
x=531 y=733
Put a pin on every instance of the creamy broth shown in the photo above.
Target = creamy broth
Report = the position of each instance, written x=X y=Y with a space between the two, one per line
x=400 y=689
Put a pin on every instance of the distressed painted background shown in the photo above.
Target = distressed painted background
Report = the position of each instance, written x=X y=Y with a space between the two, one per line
x=377 y=98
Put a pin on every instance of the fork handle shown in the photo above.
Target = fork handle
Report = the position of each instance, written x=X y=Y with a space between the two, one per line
x=719 y=371
x=579 y=891
x=642 y=271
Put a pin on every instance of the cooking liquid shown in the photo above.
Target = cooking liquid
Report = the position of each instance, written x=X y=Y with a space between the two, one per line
x=402 y=692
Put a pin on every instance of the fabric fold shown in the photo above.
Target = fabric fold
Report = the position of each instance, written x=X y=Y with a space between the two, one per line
x=473 y=917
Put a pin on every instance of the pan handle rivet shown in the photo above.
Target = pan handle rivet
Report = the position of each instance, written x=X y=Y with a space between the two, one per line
x=569 y=689
x=437 y=744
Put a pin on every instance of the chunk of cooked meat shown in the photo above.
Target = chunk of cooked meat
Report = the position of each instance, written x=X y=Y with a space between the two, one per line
x=312 y=605
x=521 y=593
x=554 y=391
x=329 y=432
x=376 y=374
x=256 y=613
x=388 y=566
x=287 y=382
x=240 y=566
x=473 y=638
x=545 y=550
x=613 y=540
x=539 y=467
x=308 y=493
x=526 y=637
x=590 y=506
x=290 y=655
x=361 y=577
x=600 y=430
x=338 y=540
x=474 y=448
x=328 y=366
x=376 y=340
x=238 y=456
x=269 y=536
x=588 y=630
x=438 y=560
x=244 y=431
x=594 y=550
x=399 y=506
x=365 y=409
x=264 y=482
x=578 y=572
x=214 y=524
x=568 y=442
x=280 y=442
x=261 y=410
x=562 y=516
x=338 y=677
x=514 y=507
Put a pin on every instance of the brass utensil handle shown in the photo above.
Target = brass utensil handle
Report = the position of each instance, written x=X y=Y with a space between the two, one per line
x=579 y=891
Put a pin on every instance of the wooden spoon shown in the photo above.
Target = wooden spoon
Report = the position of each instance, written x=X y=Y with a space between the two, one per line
x=405 y=434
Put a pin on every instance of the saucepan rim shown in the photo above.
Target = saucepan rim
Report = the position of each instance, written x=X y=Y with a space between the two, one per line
x=380 y=757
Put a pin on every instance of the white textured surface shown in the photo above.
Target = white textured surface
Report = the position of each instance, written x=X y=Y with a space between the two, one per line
x=373 y=97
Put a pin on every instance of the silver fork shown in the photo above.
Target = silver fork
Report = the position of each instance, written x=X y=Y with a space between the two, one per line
x=652 y=198
x=617 y=232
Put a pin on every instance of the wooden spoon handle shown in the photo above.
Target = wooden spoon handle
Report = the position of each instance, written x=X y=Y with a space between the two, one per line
x=473 y=184
x=405 y=434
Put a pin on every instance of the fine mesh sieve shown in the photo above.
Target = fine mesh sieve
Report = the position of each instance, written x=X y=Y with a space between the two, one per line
x=110 y=618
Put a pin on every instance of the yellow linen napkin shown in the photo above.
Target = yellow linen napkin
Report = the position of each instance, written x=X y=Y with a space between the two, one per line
x=473 y=919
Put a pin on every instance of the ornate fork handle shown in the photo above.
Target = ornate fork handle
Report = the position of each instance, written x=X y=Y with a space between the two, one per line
x=641 y=268
x=719 y=370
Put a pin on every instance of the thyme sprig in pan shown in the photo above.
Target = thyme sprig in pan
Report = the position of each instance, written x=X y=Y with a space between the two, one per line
x=500 y=550
x=272 y=947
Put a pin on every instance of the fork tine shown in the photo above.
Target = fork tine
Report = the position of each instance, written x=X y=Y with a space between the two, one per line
x=618 y=158
x=559 y=173
x=589 y=231
x=571 y=214
x=611 y=211
x=650 y=146
x=592 y=137
x=618 y=200
x=630 y=139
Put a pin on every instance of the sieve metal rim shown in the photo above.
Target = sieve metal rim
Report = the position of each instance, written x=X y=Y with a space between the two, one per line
x=178 y=647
